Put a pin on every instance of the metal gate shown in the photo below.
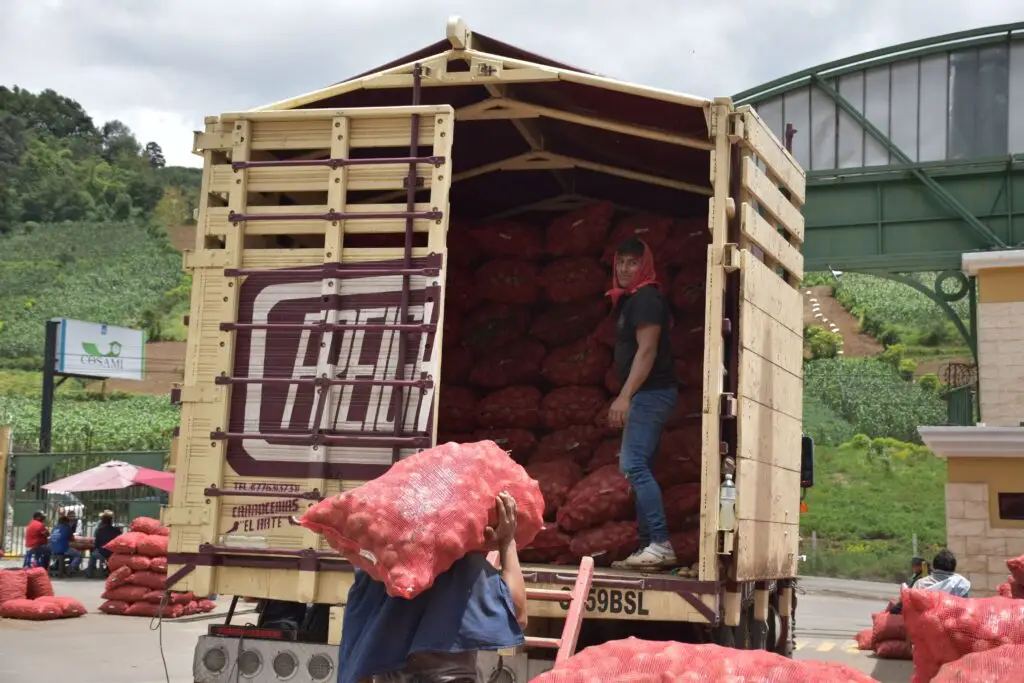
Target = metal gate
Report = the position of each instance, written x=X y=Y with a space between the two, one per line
x=27 y=473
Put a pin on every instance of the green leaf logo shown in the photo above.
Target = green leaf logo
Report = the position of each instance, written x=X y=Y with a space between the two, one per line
x=113 y=350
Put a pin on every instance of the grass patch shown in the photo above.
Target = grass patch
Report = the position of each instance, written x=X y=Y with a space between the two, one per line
x=866 y=505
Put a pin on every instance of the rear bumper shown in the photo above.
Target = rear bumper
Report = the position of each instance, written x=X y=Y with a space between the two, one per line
x=227 y=660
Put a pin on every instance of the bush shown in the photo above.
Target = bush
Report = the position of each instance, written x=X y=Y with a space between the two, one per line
x=822 y=343
x=907 y=368
x=930 y=382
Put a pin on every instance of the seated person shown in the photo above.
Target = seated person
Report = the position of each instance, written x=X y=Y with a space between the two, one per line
x=435 y=636
x=943 y=577
x=920 y=570
x=60 y=543
x=105 y=533
x=37 y=548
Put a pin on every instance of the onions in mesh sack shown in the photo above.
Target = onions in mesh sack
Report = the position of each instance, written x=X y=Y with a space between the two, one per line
x=582 y=362
x=460 y=294
x=565 y=323
x=30 y=610
x=510 y=407
x=429 y=510
x=1016 y=567
x=686 y=245
x=998 y=665
x=492 y=325
x=39 y=584
x=642 y=661
x=549 y=545
x=580 y=232
x=519 y=442
x=611 y=381
x=509 y=239
x=894 y=649
x=576 y=442
x=556 y=478
x=69 y=607
x=508 y=281
x=603 y=496
x=864 y=639
x=687 y=341
x=686 y=545
x=574 y=279
x=654 y=230
x=606 y=453
x=680 y=502
x=944 y=628
x=519 y=362
x=462 y=251
x=605 y=331
x=457 y=409
x=886 y=626
x=456 y=365
x=568 y=406
x=610 y=542
x=13 y=585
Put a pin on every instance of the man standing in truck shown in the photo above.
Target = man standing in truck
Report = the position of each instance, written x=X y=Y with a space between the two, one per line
x=649 y=392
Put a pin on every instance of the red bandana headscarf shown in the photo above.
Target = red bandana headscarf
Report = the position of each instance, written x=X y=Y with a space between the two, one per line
x=645 y=275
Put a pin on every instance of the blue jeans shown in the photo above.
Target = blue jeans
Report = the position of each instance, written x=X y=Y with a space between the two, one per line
x=37 y=557
x=95 y=556
x=648 y=413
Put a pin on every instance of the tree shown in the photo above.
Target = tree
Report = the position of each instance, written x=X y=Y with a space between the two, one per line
x=117 y=142
x=155 y=155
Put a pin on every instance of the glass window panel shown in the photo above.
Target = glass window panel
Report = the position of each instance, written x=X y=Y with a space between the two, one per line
x=770 y=112
x=993 y=101
x=903 y=112
x=1011 y=506
x=823 y=129
x=1015 y=141
x=963 y=96
x=797 y=111
x=934 y=85
x=851 y=133
x=876 y=110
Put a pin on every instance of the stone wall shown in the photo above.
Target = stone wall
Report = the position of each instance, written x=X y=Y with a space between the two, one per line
x=1001 y=362
x=981 y=550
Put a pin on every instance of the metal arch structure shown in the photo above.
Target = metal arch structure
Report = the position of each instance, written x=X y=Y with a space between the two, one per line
x=914 y=199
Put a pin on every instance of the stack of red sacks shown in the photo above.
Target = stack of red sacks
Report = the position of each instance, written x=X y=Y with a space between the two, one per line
x=1014 y=586
x=528 y=339
x=138 y=571
x=28 y=594
x=887 y=636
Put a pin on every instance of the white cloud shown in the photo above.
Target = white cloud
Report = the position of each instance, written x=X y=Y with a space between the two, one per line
x=160 y=67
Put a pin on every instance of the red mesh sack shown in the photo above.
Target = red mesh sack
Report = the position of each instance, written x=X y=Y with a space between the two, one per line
x=510 y=407
x=494 y=324
x=519 y=442
x=684 y=294
x=126 y=544
x=190 y=609
x=565 y=323
x=574 y=279
x=508 y=238
x=611 y=381
x=206 y=606
x=603 y=496
x=462 y=250
x=999 y=665
x=680 y=502
x=519 y=362
x=582 y=231
x=687 y=244
x=1016 y=567
x=126 y=593
x=145 y=525
x=30 y=610
x=114 y=607
x=687 y=409
x=150 y=580
x=429 y=510
x=153 y=546
x=606 y=329
x=556 y=478
x=685 y=441
x=159 y=565
x=69 y=607
x=886 y=626
x=582 y=362
x=686 y=545
x=13 y=585
x=568 y=406
x=452 y=329
x=118 y=561
x=687 y=342
x=607 y=453
x=944 y=628
x=457 y=409
x=460 y=294
x=39 y=585
x=689 y=372
x=139 y=563
x=672 y=470
x=154 y=597
x=181 y=597
x=508 y=281
x=577 y=442
x=1003 y=590
x=654 y=230
x=1016 y=589
x=118 y=577
x=541 y=555
x=894 y=649
x=456 y=365
x=610 y=542
x=457 y=437
x=147 y=609
x=864 y=640
x=551 y=537
x=686 y=277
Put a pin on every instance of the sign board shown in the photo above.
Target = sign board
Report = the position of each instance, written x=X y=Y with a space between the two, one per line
x=99 y=350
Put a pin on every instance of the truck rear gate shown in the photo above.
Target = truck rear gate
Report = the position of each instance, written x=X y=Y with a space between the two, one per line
x=318 y=305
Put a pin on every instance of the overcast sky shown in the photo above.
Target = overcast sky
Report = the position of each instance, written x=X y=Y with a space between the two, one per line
x=161 y=65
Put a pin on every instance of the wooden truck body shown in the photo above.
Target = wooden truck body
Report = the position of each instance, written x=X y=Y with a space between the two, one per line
x=321 y=252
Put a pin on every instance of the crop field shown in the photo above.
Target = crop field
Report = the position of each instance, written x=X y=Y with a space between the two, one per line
x=106 y=272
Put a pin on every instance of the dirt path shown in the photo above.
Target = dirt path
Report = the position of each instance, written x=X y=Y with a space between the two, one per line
x=821 y=309
x=183 y=237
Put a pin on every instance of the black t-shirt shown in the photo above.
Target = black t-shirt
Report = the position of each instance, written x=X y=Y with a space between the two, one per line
x=645 y=307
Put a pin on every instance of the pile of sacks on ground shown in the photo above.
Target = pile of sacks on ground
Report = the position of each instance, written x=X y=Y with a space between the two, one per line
x=887 y=637
x=528 y=340
x=28 y=594
x=958 y=640
x=138 y=573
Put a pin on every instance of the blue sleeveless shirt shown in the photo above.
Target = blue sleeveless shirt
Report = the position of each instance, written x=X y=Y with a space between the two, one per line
x=469 y=608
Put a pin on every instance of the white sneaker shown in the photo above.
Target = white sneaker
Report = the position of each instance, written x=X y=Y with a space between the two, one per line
x=654 y=555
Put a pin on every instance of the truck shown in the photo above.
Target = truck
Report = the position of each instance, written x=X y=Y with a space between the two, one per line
x=326 y=226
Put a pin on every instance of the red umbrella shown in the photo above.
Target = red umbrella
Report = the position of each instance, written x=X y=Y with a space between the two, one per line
x=112 y=475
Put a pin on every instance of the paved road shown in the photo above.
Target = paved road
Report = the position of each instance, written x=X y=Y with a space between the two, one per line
x=107 y=649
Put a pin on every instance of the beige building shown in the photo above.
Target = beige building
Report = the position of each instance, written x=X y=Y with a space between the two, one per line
x=985 y=463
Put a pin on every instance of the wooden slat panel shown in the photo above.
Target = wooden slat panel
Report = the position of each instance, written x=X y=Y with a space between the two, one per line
x=769 y=436
x=314 y=179
x=758 y=138
x=767 y=291
x=770 y=339
x=766 y=493
x=217 y=220
x=772 y=200
x=311 y=134
x=771 y=386
x=766 y=550
x=764 y=235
